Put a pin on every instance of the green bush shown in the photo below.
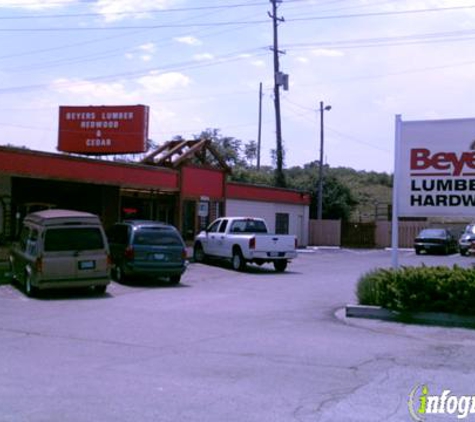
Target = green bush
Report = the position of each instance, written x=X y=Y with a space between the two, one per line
x=421 y=289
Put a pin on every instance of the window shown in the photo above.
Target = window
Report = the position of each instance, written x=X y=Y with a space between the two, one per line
x=223 y=226
x=281 y=223
x=157 y=236
x=25 y=233
x=214 y=227
x=73 y=239
x=248 y=226
x=32 y=243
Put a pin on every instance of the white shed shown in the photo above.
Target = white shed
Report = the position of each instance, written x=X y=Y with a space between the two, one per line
x=285 y=211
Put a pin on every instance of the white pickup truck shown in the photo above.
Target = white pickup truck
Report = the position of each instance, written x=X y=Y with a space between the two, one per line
x=243 y=240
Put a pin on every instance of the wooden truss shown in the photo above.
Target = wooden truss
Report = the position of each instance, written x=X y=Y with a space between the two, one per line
x=176 y=153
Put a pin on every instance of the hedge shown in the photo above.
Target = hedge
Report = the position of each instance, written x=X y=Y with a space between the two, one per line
x=420 y=289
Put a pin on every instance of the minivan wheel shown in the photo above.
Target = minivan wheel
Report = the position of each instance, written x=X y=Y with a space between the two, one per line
x=119 y=274
x=174 y=280
x=30 y=290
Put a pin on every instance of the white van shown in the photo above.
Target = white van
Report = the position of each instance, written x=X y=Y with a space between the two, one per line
x=60 y=249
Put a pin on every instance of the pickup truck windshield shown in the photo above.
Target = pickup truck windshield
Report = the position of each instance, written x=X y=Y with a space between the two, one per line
x=248 y=226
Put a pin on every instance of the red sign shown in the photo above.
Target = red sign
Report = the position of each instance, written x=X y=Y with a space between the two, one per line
x=103 y=129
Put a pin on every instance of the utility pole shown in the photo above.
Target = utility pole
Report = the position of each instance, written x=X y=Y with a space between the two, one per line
x=278 y=80
x=259 y=130
x=320 y=172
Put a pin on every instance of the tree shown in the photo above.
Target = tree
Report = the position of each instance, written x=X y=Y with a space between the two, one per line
x=228 y=147
x=250 y=152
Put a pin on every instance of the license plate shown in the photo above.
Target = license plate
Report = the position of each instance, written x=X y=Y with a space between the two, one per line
x=87 y=265
x=158 y=256
x=273 y=254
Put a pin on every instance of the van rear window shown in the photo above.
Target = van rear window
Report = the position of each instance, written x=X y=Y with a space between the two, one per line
x=73 y=239
x=157 y=236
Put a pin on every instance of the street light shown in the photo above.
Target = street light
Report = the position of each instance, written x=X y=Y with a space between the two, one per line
x=320 y=173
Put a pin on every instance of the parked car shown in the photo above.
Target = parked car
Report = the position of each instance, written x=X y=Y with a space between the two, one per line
x=435 y=240
x=147 y=249
x=61 y=248
x=466 y=240
x=243 y=240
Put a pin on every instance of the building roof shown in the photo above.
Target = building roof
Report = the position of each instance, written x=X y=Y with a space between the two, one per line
x=29 y=163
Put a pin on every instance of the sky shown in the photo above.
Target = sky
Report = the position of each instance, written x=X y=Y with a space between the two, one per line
x=198 y=64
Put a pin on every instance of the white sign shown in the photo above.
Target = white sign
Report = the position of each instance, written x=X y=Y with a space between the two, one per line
x=436 y=168
x=203 y=209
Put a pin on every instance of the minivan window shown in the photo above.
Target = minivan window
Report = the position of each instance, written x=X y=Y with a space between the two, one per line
x=157 y=236
x=73 y=239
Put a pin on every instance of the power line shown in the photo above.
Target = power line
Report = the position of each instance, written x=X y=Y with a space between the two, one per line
x=377 y=14
x=138 y=12
x=228 y=23
x=351 y=137
x=129 y=27
x=230 y=57
x=433 y=37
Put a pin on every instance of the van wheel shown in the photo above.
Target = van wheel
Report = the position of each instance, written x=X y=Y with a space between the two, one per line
x=30 y=290
x=280 y=265
x=174 y=280
x=100 y=289
x=238 y=262
x=11 y=271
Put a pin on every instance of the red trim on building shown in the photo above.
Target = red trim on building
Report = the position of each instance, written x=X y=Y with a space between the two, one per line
x=265 y=194
x=198 y=181
x=27 y=163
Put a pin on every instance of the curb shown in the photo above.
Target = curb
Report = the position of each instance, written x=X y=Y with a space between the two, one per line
x=426 y=318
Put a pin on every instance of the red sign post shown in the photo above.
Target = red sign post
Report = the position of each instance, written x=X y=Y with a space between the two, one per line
x=103 y=129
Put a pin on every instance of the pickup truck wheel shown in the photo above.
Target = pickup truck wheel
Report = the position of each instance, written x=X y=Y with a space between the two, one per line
x=280 y=265
x=198 y=253
x=238 y=262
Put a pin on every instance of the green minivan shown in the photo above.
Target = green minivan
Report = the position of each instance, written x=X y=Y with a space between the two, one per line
x=61 y=249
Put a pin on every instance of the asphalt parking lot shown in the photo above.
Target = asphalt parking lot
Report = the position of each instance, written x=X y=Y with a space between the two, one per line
x=225 y=346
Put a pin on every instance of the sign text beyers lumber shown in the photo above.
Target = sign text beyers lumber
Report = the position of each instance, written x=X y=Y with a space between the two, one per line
x=437 y=168
x=103 y=129
x=424 y=164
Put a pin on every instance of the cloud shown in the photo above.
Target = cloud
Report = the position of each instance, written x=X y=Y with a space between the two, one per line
x=146 y=52
x=35 y=4
x=148 y=47
x=160 y=83
x=203 y=56
x=323 y=52
x=302 y=59
x=84 y=90
x=258 y=63
x=189 y=40
x=114 y=10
